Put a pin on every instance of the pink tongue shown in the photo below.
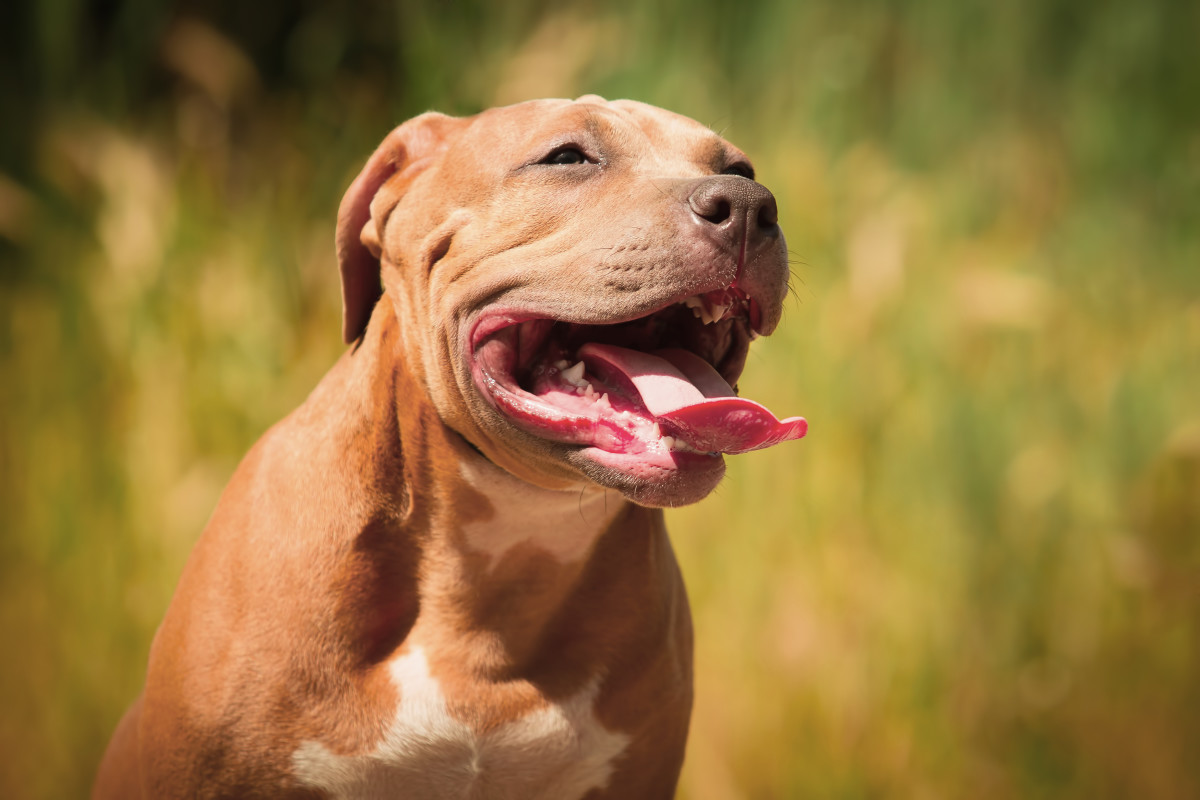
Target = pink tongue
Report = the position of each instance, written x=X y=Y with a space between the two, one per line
x=691 y=401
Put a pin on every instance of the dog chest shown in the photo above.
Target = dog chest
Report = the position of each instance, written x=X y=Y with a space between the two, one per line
x=557 y=751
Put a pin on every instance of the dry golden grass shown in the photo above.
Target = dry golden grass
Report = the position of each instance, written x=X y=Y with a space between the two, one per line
x=979 y=576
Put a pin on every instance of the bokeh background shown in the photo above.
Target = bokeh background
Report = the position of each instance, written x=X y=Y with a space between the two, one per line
x=979 y=576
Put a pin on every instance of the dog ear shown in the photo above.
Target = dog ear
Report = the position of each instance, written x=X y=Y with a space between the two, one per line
x=358 y=239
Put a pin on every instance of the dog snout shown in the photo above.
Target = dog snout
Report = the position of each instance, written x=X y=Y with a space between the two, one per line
x=734 y=204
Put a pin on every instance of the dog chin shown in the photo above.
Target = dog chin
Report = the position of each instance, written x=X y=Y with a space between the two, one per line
x=651 y=485
x=690 y=479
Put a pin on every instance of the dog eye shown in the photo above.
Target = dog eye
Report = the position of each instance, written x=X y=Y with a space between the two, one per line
x=566 y=156
x=739 y=168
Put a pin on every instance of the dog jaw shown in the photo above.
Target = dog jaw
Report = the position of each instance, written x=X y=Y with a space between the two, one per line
x=618 y=268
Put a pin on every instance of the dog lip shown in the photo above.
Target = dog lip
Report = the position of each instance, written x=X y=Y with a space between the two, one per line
x=646 y=399
x=494 y=319
x=740 y=310
x=507 y=353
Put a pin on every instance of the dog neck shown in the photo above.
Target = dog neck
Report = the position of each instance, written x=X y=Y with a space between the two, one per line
x=495 y=558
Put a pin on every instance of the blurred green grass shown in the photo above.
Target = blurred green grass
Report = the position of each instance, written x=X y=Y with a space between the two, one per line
x=979 y=576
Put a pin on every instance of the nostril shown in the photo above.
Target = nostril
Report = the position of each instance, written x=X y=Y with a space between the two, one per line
x=734 y=202
x=717 y=211
x=768 y=214
x=712 y=202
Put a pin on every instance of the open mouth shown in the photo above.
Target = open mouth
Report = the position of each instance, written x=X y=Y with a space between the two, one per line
x=655 y=391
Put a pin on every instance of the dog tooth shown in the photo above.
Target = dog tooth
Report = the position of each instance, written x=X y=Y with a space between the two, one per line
x=562 y=364
x=574 y=375
x=603 y=401
x=668 y=442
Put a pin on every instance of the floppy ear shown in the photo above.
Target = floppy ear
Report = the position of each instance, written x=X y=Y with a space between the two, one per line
x=358 y=240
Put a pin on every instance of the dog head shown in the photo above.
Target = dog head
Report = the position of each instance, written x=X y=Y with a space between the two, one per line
x=577 y=284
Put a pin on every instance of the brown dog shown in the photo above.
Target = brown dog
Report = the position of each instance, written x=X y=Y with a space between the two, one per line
x=419 y=584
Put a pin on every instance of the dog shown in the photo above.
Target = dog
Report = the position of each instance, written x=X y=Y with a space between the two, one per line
x=446 y=574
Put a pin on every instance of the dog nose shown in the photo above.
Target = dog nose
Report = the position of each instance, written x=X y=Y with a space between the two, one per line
x=735 y=204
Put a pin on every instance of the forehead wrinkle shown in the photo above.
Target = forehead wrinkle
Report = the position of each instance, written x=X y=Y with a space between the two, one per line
x=599 y=120
x=669 y=143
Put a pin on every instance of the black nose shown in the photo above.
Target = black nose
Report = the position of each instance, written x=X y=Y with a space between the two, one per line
x=730 y=202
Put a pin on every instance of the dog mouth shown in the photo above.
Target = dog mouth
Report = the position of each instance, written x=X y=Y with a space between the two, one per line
x=657 y=391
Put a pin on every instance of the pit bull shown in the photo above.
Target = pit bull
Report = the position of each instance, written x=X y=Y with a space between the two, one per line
x=446 y=574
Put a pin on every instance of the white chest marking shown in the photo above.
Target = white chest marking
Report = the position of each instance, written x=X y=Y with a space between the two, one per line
x=559 y=752
x=563 y=524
